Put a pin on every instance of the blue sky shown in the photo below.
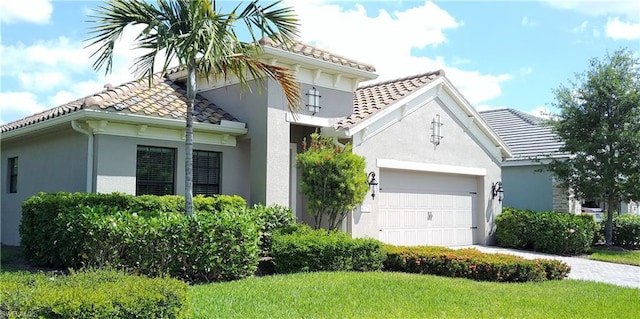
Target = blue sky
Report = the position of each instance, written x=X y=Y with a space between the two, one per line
x=498 y=53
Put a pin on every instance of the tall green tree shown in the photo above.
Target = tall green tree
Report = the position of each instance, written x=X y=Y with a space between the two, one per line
x=203 y=41
x=333 y=179
x=599 y=123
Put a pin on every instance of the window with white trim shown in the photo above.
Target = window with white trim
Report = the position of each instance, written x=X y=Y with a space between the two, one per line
x=155 y=170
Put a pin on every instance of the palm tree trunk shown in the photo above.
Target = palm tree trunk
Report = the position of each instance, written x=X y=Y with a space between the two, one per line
x=188 y=149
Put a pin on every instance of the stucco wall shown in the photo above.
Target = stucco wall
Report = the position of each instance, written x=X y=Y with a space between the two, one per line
x=409 y=140
x=56 y=161
x=527 y=187
x=115 y=164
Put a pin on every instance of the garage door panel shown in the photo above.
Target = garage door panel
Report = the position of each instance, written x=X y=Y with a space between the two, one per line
x=425 y=215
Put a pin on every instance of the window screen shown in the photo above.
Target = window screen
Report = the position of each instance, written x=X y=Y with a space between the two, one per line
x=206 y=173
x=155 y=171
x=12 y=175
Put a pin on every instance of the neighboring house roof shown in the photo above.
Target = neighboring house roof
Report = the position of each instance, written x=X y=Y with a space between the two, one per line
x=163 y=99
x=317 y=53
x=371 y=99
x=528 y=136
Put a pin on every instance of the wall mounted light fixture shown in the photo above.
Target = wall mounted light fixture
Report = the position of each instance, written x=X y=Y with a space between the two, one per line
x=436 y=130
x=497 y=191
x=314 y=100
x=371 y=180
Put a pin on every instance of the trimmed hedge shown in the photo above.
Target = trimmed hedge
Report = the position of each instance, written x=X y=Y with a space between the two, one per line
x=550 y=232
x=272 y=218
x=626 y=231
x=302 y=249
x=98 y=230
x=471 y=264
x=92 y=294
x=44 y=236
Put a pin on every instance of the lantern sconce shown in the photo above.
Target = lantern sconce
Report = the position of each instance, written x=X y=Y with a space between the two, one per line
x=314 y=100
x=436 y=130
x=371 y=180
x=497 y=191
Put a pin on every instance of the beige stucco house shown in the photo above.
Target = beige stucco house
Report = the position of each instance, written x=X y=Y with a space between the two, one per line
x=433 y=155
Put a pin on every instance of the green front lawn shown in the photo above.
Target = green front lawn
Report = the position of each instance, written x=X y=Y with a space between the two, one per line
x=401 y=295
x=629 y=257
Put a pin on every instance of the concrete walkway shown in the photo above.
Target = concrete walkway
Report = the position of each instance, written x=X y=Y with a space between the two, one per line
x=582 y=268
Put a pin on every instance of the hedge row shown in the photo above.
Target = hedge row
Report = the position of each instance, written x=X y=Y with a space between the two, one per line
x=92 y=294
x=219 y=242
x=626 y=231
x=550 y=232
x=302 y=249
x=472 y=264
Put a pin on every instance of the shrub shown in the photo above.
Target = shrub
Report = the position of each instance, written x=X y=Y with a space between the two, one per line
x=92 y=294
x=45 y=237
x=550 y=232
x=333 y=179
x=272 y=218
x=626 y=231
x=563 y=233
x=471 y=264
x=201 y=248
x=318 y=250
x=514 y=228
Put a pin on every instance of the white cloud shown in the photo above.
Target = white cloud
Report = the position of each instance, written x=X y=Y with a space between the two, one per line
x=619 y=30
x=581 y=28
x=628 y=8
x=526 y=22
x=526 y=70
x=34 y=11
x=541 y=111
x=386 y=40
x=14 y=105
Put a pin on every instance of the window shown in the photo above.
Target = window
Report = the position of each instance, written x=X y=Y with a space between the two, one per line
x=155 y=171
x=206 y=173
x=13 y=175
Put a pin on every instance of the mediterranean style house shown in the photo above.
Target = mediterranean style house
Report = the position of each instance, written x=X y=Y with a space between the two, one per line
x=435 y=159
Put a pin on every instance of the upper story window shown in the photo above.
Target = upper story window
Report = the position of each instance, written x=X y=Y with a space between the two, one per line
x=206 y=173
x=12 y=175
x=155 y=171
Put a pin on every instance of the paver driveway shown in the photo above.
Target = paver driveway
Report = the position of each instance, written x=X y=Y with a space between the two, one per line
x=582 y=268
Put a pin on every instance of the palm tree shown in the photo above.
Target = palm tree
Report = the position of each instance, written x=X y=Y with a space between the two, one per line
x=203 y=41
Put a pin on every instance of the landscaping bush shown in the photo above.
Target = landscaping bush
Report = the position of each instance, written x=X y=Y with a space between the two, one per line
x=45 y=238
x=304 y=250
x=514 y=228
x=201 y=248
x=563 y=233
x=471 y=264
x=272 y=218
x=550 y=232
x=626 y=231
x=92 y=294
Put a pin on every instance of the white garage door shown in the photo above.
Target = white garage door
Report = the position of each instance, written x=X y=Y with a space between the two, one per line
x=418 y=208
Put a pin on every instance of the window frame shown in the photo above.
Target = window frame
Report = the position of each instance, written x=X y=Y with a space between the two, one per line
x=147 y=182
x=216 y=184
x=12 y=174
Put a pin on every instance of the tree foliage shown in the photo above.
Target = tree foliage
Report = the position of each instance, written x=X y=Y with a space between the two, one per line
x=599 y=123
x=333 y=179
x=204 y=42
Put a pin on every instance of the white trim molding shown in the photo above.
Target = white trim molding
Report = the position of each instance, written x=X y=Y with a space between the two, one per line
x=307 y=120
x=429 y=167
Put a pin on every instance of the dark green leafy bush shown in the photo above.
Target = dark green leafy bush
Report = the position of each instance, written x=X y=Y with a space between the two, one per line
x=272 y=218
x=201 y=248
x=45 y=237
x=550 y=232
x=472 y=264
x=514 y=228
x=92 y=294
x=626 y=231
x=304 y=249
